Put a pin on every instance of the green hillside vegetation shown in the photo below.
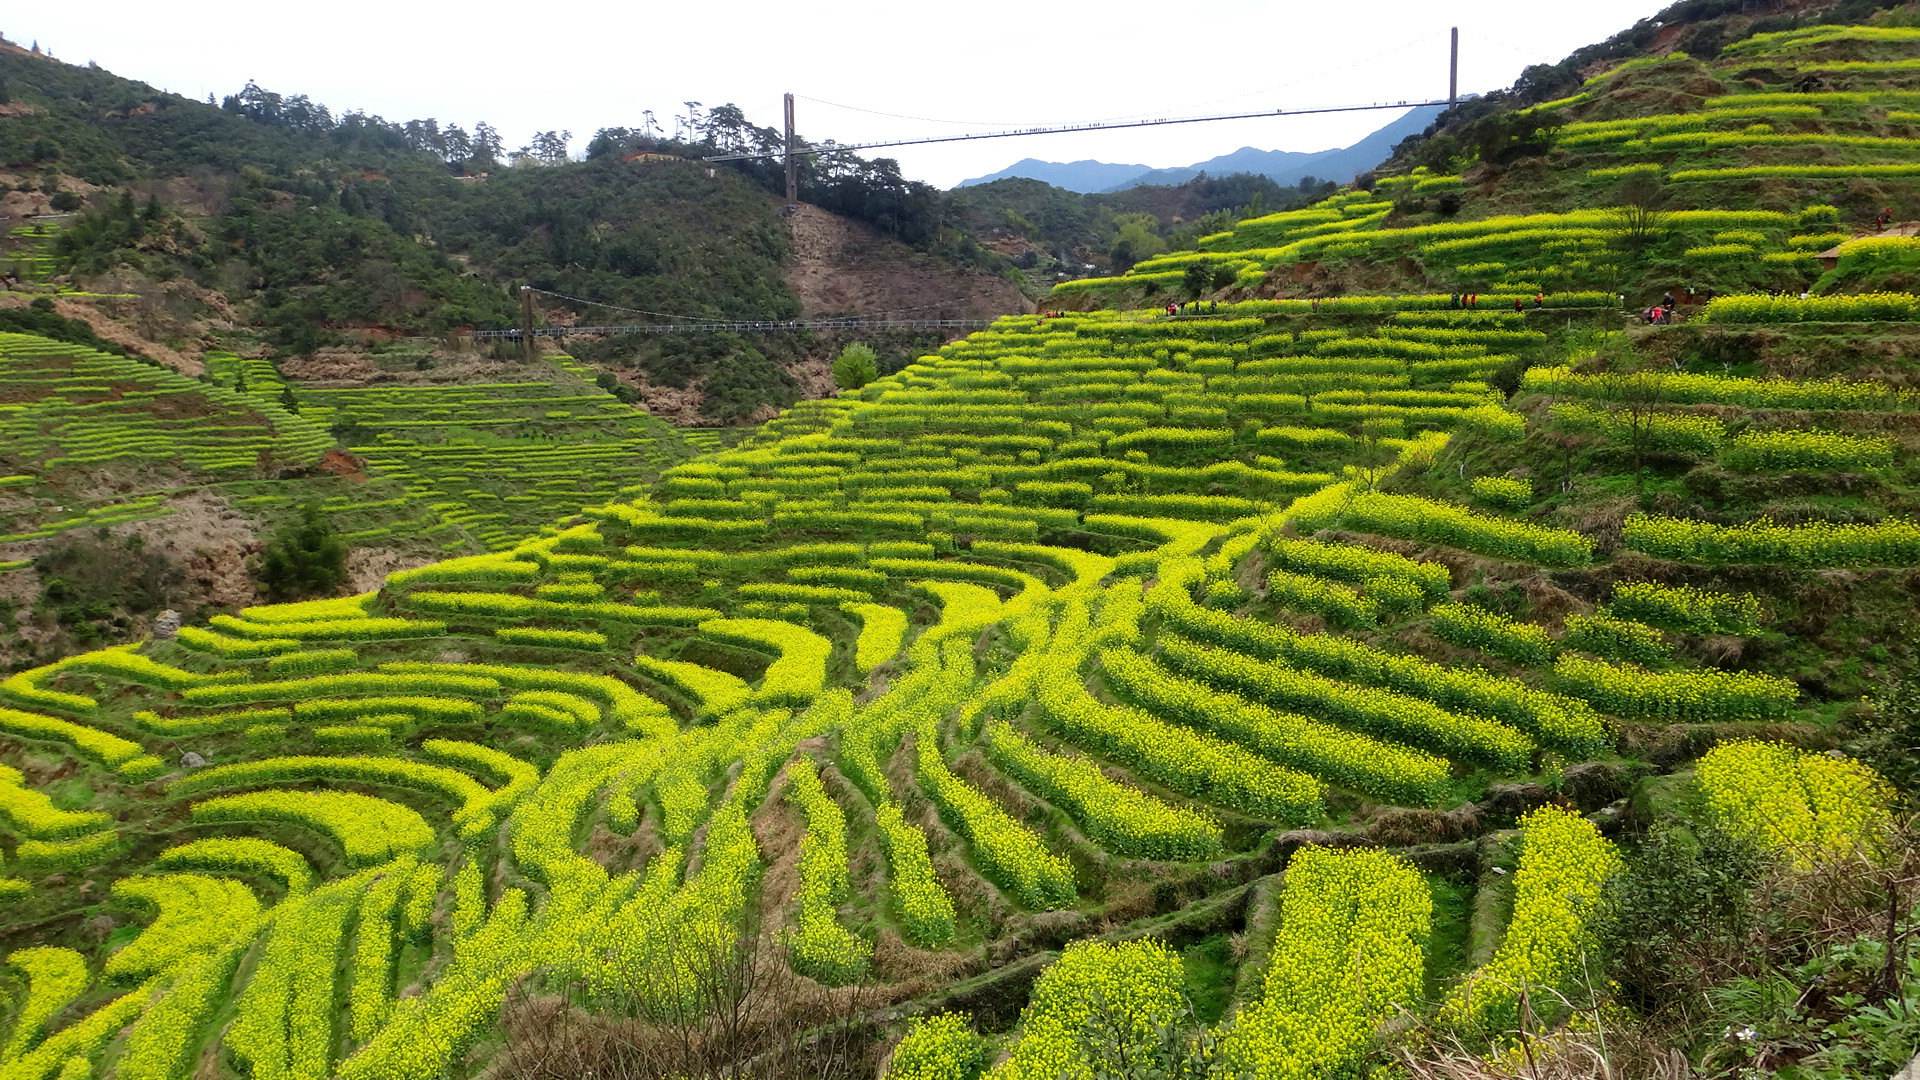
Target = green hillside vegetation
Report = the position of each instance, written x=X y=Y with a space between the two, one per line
x=328 y=227
x=1675 y=172
x=1060 y=231
x=1344 y=679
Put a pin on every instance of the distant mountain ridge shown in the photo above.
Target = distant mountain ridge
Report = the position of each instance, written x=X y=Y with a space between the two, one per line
x=1086 y=176
x=1339 y=164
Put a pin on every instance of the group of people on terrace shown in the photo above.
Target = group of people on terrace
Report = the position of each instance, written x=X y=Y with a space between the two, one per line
x=1472 y=300
x=1175 y=309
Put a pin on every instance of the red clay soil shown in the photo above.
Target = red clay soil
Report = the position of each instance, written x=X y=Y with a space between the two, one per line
x=340 y=463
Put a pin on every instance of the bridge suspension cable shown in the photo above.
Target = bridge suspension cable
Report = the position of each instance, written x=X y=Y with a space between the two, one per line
x=792 y=149
x=609 y=307
x=815 y=150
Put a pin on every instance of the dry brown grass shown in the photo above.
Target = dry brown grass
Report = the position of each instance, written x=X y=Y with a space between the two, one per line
x=1625 y=1053
x=748 y=1016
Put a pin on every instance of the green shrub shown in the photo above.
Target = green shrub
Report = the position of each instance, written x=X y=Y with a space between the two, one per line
x=1756 y=451
x=306 y=557
x=1676 y=433
x=1122 y=818
x=1341 y=605
x=855 y=367
x=1852 y=307
x=1364 y=914
x=1894 y=542
x=1103 y=1010
x=1359 y=565
x=1687 y=697
x=1559 y=891
x=1410 y=517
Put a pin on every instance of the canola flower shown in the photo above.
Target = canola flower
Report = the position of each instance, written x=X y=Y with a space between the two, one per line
x=942 y=1047
x=1350 y=952
x=1100 y=1007
x=1564 y=867
x=1804 y=807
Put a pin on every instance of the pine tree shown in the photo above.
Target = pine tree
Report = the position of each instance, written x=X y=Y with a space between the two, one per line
x=305 y=558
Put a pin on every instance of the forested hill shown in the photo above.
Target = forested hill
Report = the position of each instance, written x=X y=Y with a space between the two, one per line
x=323 y=228
x=1049 y=229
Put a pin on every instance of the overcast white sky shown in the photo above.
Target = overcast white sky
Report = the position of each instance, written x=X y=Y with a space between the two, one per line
x=992 y=63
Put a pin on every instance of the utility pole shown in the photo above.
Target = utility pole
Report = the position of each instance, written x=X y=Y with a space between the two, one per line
x=526 y=323
x=1453 y=70
x=793 y=164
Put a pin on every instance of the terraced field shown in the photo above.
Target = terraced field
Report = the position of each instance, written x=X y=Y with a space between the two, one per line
x=447 y=468
x=29 y=253
x=1079 y=654
x=67 y=413
x=1339 y=629
x=1747 y=175
x=480 y=465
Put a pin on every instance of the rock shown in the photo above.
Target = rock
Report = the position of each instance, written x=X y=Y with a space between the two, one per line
x=368 y=567
x=1611 y=819
x=166 y=625
x=1057 y=926
x=1402 y=826
x=1461 y=859
x=1506 y=802
x=192 y=760
x=1294 y=839
x=1594 y=784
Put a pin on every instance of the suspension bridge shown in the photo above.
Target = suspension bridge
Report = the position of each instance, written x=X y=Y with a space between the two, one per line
x=793 y=150
x=738 y=326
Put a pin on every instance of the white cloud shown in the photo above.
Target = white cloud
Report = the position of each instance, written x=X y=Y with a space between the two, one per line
x=581 y=66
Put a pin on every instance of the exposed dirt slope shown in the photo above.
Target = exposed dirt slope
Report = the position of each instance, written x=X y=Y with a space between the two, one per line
x=842 y=267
